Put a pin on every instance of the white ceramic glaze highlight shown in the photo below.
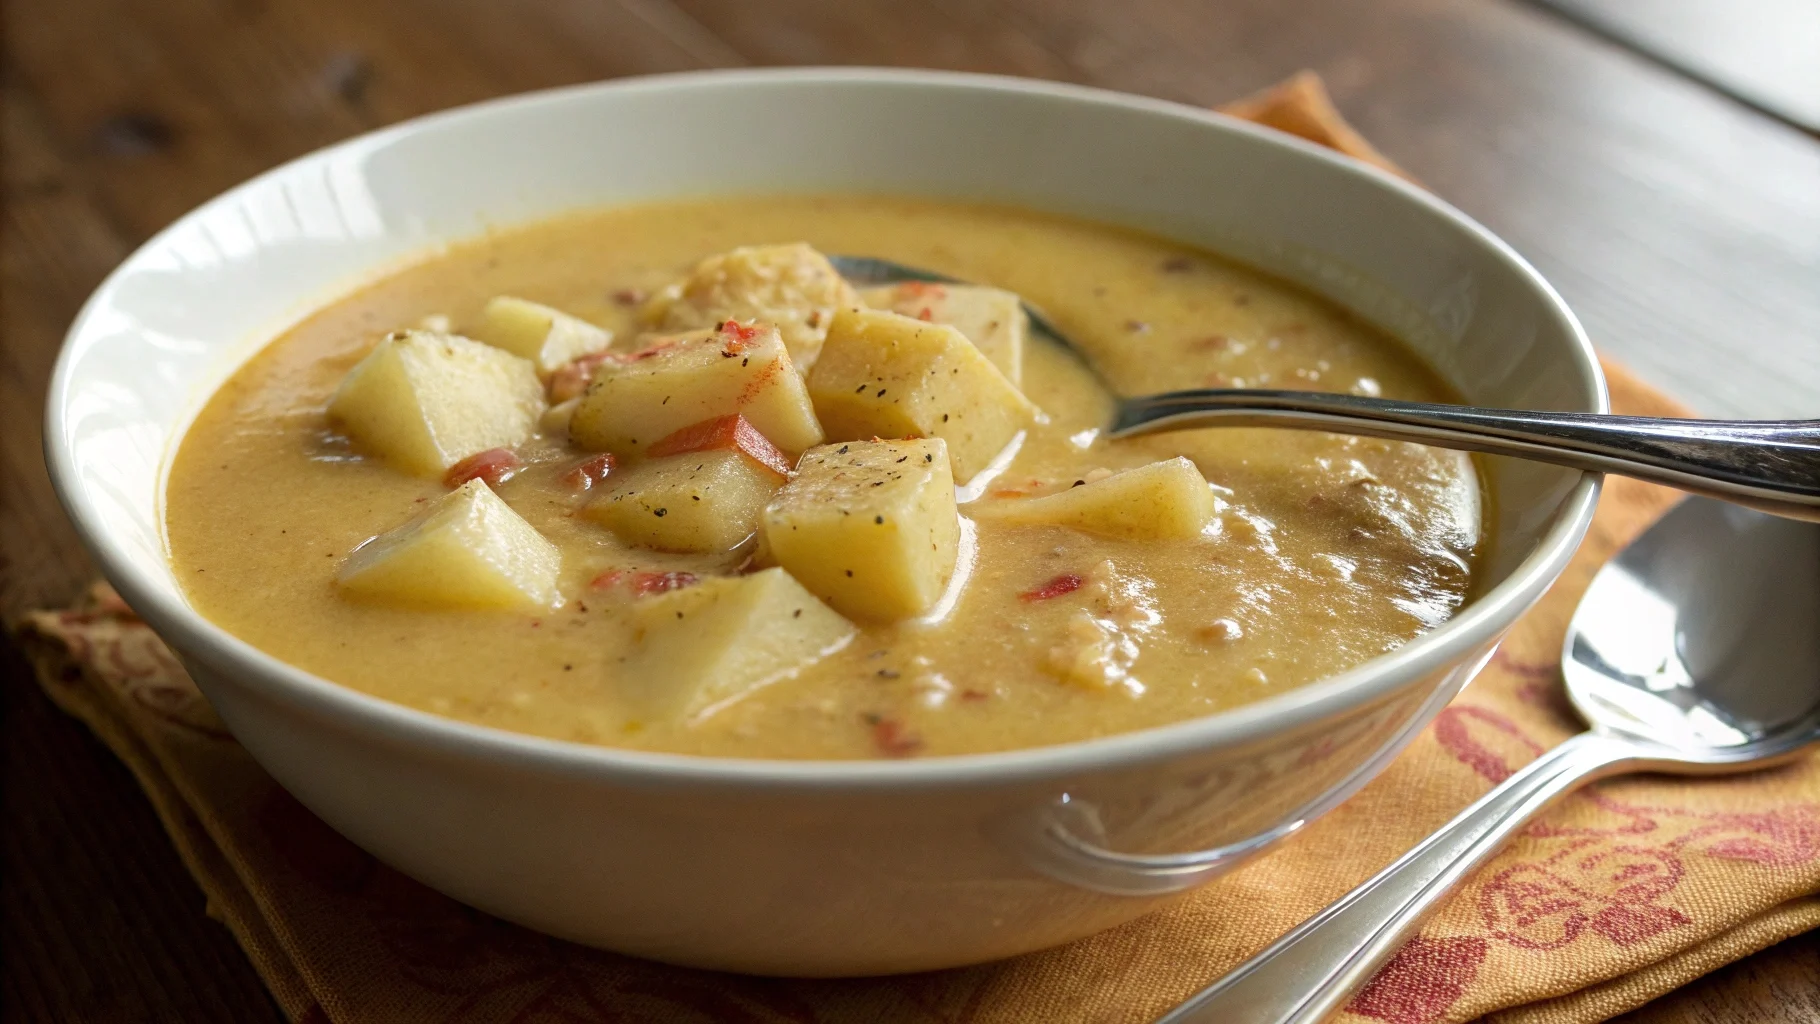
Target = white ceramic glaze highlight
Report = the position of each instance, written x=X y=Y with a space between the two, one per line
x=833 y=867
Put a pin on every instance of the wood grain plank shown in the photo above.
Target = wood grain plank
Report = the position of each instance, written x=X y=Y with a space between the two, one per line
x=54 y=248
x=1776 y=986
x=1684 y=232
x=952 y=36
x=1762 y=52
x=100 y=922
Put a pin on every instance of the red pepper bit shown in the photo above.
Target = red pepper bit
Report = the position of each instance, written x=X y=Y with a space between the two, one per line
x=653 y=349
x=732 y=433
x=925 y=314
x=645 y=583
x=739 y=337
x=495 y=466
x=921 y=289
x=1063 y=584
x=590 y=471
x=571 y=378
x=894 y=739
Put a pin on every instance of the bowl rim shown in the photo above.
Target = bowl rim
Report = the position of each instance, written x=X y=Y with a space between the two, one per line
x=238 y=663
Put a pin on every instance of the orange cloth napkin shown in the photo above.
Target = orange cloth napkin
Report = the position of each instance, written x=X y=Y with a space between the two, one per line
x=1621 y=893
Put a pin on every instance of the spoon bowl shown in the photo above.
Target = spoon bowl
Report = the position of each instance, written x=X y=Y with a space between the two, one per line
x=1696 y=651
x=1772 y=465
x=1703 y=634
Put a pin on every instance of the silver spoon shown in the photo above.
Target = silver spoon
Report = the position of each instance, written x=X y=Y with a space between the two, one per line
x=1772 y=466
x=1696 y=651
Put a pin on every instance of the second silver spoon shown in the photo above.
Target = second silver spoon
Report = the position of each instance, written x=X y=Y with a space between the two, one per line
x=1695 y=652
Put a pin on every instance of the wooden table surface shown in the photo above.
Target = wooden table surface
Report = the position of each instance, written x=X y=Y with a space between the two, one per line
x=1683 y=226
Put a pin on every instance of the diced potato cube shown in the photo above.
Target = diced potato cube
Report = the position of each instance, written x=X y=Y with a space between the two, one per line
x=869 y=526
x=678 y=381
x=702 y=647
x=886 y=375
x=1168 y=499
x=547 y=337
x=992 y=318
x=425 y=401
x=555 y=419
x=792 y=286
x=467 y=550
x=702 y=501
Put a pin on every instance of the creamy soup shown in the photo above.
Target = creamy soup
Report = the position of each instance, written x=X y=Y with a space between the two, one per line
x=628 y=545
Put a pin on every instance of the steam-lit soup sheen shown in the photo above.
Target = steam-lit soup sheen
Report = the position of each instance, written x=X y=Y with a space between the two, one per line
x=1137 y=601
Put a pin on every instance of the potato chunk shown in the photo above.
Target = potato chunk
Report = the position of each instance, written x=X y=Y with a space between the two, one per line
x=467 y=550
x=869 y=526
x=792 y=286
x=682 y=380
x=886 y=375
x=1168 y=499
x=548 y=337
x=424 y=401
x=702 y=501
x=702 y=647
x=992 y=318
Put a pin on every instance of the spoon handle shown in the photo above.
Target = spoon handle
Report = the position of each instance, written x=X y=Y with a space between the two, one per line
x=1772 y=466
x=1307 y=974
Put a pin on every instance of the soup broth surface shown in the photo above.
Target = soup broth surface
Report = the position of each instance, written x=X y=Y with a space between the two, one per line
x=1323 y=551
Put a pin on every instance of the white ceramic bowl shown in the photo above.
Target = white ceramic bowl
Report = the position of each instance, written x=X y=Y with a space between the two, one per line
x=836 y=867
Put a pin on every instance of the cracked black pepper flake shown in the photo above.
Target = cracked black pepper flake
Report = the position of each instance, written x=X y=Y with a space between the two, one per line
x=660 y=512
